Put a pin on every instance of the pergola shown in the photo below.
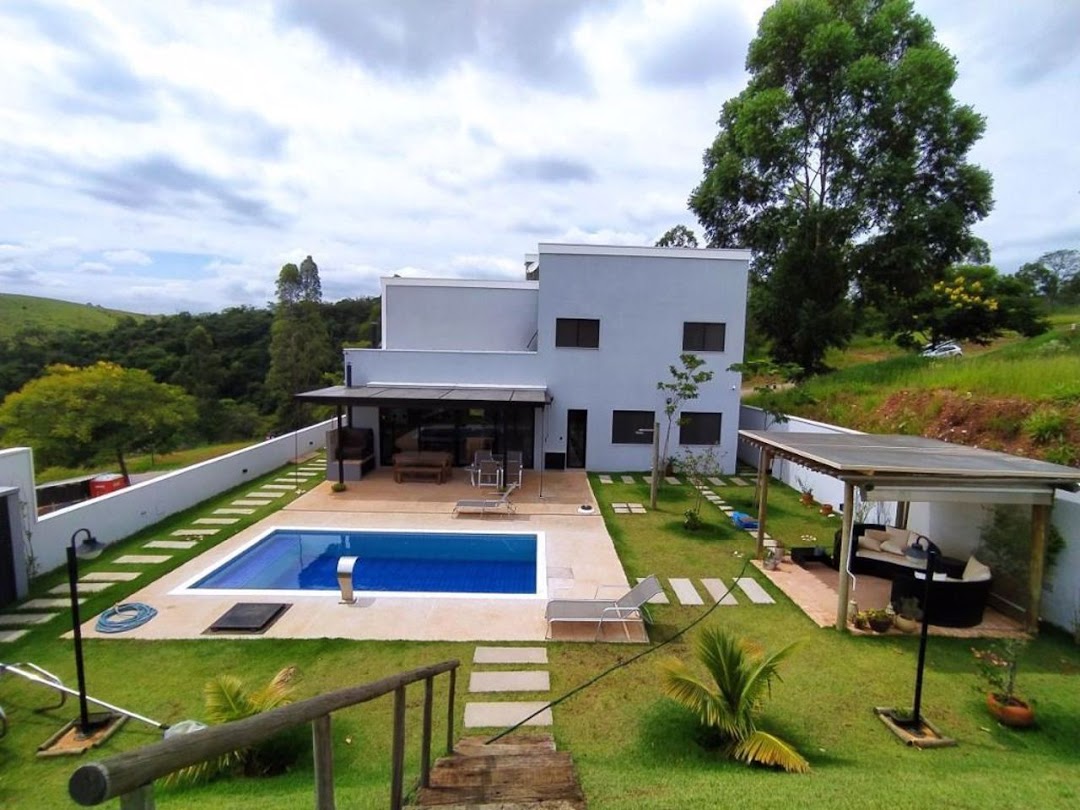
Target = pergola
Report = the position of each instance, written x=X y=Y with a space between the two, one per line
x=913 y=468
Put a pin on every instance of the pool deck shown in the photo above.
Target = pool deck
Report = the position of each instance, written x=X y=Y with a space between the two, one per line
x=581 y=563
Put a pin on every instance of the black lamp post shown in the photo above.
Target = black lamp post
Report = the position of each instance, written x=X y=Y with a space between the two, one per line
x=88 y=549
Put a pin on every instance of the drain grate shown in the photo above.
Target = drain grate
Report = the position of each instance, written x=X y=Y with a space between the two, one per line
x=249 y=617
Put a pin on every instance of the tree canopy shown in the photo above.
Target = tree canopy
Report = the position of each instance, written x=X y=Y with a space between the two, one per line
x=72 y=415
x=843 y=166
x=680 y=236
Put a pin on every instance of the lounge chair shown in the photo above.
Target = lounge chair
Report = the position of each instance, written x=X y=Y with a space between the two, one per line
x=628 y=607
x=484 y=505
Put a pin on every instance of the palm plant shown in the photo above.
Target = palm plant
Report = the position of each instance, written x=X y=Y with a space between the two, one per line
x=229 y=699
x=741 y=676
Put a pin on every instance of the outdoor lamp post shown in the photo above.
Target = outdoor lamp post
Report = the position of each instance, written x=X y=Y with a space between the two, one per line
x=88 y=549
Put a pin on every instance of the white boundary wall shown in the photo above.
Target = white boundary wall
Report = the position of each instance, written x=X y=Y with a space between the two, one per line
x=956 y=526
x=120 y=514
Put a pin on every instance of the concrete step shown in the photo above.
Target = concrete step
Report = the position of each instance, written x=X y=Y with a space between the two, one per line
x=504 y=714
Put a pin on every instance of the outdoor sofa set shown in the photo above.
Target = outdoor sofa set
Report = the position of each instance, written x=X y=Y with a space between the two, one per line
x=959 y=588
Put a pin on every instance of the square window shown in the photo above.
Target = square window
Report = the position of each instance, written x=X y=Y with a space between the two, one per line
x=699 y=427
x=582 y=333
x=626 y=424
x=699 y=336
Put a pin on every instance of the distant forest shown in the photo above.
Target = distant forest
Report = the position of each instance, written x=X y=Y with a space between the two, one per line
x=230 y=369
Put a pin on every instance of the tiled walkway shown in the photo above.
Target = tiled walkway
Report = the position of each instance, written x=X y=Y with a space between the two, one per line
x=504 y=713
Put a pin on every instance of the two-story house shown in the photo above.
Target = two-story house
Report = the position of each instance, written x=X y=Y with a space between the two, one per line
x=562 y=365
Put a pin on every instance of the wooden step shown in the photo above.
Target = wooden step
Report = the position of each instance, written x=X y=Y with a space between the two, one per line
x=545 y=804
x=552 y=767
x=520 y=793
x=508 y=746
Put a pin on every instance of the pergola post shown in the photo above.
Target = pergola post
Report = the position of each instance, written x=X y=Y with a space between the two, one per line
x=763 y=497
x=1040 y=526
x=337 y=449
x=845 y=554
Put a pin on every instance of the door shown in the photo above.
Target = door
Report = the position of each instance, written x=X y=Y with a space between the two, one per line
x=576 y=430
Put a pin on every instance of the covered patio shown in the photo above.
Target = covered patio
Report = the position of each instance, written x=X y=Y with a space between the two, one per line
x=906 y=469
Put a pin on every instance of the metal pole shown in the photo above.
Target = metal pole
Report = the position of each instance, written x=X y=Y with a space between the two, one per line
x=931 y=564
x=655 y=464
x=73 y=577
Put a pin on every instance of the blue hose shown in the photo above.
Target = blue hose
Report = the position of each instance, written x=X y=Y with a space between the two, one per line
x=126 y=616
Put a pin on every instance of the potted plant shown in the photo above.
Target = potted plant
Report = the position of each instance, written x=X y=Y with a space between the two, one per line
x=997 y=665
x=826 y=509
x=772 y=558
x=861 y=619
x=880 y=620
x=807 y=493
x=338 y=486
x=908 y=615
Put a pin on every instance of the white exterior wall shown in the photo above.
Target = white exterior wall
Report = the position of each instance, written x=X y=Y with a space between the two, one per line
x=1061 y=591
x=436 y=314
x=120 y=514
x=17 y=486
x=642 y=297
x=364 y=366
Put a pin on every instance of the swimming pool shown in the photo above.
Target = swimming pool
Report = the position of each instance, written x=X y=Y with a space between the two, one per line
x=296 y=561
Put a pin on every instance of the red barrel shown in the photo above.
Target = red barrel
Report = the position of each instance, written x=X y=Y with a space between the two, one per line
x=106 y=483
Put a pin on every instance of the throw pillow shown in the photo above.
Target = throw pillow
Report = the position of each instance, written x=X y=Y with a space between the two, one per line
x=901 y=537
x=975 y=571
x=869 y=543
x=880 y=535
x=893 y=547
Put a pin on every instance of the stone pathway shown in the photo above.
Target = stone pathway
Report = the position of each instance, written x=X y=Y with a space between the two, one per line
x=628 y=508
x=754 y=591
x=628 y=479
x=685 y=592
x=719 y=592
x=659 y=599
x=501 y=714
x=671 y=479
x=178 y=545
x=605 y=479
x=218 y=521
x=739 y=482
x=83 y=587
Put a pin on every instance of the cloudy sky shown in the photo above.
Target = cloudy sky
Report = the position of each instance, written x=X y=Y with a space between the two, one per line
x=160 y=157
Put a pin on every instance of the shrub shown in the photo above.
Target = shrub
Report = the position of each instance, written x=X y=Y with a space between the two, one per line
x=1046 y=425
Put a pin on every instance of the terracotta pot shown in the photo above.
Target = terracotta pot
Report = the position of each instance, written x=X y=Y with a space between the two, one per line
x=906 y=625
x=826 y=509
x=807 y=499
x=1016 y=714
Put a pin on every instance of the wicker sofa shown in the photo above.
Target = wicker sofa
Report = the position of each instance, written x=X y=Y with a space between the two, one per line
x=953 y=601
x=880 y=550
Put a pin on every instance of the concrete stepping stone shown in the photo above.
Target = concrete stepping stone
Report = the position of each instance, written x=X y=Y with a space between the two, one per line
x=753 y=590
x=717 y=482
x=291 y=480
x=9 y=619
x=659 y=599
x=12 y=635
x=727 y=510
x=216 y=521
x=142 y=559
x=46 y=604
x=620 y=508
x=262 y=494
x=510 y=655
x=109 y=576
x=282 y=487
x=718 y=591
x=173 y=544
x=501 y=715
x=231 y=511
x=84 y=587
x=628 y=479
x=685 y=592
x=250 y=502
x=195 y=532
x=605 y=479
x=739 y=482
x=510 y=681
x=636 y=508
x=671 y=479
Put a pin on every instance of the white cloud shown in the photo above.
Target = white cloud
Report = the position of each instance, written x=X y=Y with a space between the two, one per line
x=128 y=256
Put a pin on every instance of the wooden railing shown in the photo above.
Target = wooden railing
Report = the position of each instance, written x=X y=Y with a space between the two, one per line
x=131 y=775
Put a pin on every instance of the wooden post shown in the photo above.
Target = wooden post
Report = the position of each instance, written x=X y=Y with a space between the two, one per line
x=397 y=770
x=1040 y=525
x=323 y=752
x=763 y=499
x=425 y=740
x=842 y=595
x=337 y=449
x=450 y=713
x=139 y=799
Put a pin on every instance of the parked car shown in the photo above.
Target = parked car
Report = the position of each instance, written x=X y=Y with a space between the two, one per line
x=943 y=348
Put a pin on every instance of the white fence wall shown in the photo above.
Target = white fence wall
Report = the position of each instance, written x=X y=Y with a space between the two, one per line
x=956 y=526
x=119 y=514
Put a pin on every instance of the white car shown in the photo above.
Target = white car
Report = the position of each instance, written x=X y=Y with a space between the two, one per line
x=945 y=348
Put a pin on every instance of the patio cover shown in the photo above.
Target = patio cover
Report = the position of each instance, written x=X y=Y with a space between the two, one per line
x=913 y=468
x=427 y=395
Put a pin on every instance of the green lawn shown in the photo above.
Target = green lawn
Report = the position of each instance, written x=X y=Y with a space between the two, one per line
x=22 y=311
x=146 y=462
x=633 y=748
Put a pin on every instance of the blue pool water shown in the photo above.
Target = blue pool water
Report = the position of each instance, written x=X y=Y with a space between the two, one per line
x=306 y=560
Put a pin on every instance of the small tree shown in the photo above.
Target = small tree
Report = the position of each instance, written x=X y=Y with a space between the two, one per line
x=684 y=386
x=73 y=416
x=698 y=466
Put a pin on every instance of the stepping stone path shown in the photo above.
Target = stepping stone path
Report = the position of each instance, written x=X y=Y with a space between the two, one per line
x=671 y=479
x=173 y=544
x=84 y=587
x=109 y=576
x=628 y=479
x=216 y=521
x=12 y=635
x=717 y=482
x=194 y=532
x=502 y=714
x=628 y=508
x=262 y=494
x=142 y=559
x=659 y=599
x=231 y=511
x=739 y=482
x=685 y=592
x=605 y=479
x=636 y=509
x=283 y=487
x=719 y=592
x=250 y=502
x=754 y=591
x=46 y=604
x=9 y=619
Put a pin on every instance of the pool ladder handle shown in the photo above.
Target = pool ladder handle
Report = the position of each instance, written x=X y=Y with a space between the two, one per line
x=345 y=567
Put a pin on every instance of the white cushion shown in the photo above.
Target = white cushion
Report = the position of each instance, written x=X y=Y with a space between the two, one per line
x=975 y=571
x=880 y=535
x=902 y=537
x=869 y=543
x=893 y=547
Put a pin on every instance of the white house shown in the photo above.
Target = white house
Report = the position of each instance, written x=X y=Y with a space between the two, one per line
x=562 y=365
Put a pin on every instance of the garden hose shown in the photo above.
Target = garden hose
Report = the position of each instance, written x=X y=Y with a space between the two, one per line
x=125 y=616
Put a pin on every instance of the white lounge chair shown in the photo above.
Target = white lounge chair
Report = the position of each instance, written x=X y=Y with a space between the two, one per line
x=484 y=505
x=628 y=607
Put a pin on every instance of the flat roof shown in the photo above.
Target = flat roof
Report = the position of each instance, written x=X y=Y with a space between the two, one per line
x=395 y=395
x=866 y=458
x=738 y=254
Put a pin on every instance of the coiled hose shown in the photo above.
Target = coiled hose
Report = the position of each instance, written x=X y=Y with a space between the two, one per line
x=125 y=616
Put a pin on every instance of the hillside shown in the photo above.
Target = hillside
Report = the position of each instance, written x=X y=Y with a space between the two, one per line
x=1019 y=396
x=21 y=311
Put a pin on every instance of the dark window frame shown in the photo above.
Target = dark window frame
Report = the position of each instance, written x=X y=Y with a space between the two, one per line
x=696 y=432
x=627 y=433
x=577 y=333
x=704 y=336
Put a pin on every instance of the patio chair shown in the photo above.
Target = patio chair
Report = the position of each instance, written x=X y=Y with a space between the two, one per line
x=512 y=471
x=488 y=473
x=628 y=607
x=484 y=505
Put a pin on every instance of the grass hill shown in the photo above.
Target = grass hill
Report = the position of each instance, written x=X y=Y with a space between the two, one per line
x=1020 y=396
x=21 y=311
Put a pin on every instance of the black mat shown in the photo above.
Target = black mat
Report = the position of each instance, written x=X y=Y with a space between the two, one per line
x=249 y=617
